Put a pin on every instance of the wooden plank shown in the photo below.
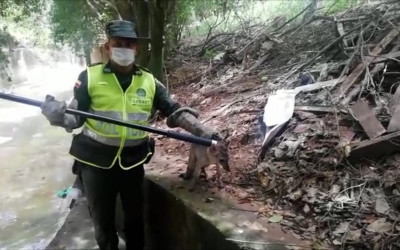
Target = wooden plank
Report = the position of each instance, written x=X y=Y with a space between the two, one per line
x=395 y=101
x=341 y=32
x=365 y=116
x=317 y=109
x=319 y=85
x=356 y=90
x=376 y=148
x=357 y=72
x=346 y=19
x=394 y=124
x=385 y=57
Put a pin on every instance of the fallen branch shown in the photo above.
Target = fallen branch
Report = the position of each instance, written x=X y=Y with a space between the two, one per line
x=353 y=77
x=312 y=60
x=293 y=18
x=221 y=110
x=274 y=31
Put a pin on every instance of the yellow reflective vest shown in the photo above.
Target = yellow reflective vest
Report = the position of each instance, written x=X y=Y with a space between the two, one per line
x=108 y=99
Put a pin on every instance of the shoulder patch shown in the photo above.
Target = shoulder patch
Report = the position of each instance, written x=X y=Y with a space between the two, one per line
x=94 y=64
x=144 y=69
x=78 y=84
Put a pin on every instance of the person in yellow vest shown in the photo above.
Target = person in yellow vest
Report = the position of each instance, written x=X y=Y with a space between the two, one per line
x=108 y=158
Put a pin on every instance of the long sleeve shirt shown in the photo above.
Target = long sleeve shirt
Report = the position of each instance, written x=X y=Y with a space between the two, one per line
x=86 y=149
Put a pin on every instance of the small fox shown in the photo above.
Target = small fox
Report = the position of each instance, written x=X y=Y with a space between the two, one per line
x=201 y=157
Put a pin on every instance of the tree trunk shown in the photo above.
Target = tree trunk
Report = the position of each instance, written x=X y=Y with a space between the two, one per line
x=173 y=27
x=157 y=20
x=125 y=9
x=86 y=51
x=141 y=10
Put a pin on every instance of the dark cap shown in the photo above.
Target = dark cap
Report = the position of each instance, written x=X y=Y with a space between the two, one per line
x=122 y=28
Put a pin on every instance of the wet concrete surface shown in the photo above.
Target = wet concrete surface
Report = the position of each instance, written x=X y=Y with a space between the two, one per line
x=34 y=162
x=77 y=231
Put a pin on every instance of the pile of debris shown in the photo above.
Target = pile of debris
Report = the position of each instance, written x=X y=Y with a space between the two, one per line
x=328 y=161
x=328 y=157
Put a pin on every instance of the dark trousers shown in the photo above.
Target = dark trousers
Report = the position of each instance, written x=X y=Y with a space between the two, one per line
x=102 y=187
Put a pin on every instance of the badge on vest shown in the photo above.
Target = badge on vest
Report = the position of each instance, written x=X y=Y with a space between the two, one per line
x=141 y=92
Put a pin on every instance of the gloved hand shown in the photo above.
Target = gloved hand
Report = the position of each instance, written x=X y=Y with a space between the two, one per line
x=54 y=110
x=55 y=113
x=186 y=118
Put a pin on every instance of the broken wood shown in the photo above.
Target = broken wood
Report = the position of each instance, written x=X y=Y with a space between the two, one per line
x=316 y=109
x=365 y=116
x=259 y=62
x=376 y=148
x=346 y=19
x=326 y=48
x=394 y=124
x=395 y=101
x=357 y=72
x=383 y=58
x=340 y=29
x=221 y=110
x=376 y=69
x=394 y=108
x=356 y=90
x=226 y=87
x=319 y=85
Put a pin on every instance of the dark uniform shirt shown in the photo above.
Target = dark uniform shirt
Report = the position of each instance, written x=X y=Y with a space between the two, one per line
x=87 y=149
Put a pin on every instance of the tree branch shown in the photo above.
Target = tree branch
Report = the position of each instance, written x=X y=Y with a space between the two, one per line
x=94 y=10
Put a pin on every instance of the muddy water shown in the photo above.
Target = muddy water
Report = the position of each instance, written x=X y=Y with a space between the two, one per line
x=34 y=161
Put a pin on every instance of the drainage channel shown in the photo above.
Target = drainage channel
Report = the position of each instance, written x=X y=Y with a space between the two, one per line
x=170 y=224
x=181 y=220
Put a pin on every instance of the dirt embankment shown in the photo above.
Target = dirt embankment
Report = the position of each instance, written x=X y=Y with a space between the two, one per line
x=331 y=169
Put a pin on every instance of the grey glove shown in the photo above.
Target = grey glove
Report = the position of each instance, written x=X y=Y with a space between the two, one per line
x=54 y=111
x=186 y=118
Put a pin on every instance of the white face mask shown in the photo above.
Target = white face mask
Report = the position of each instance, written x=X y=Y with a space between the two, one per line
x=122 y=56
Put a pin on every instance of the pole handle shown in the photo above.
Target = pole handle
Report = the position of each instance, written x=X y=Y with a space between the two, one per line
x=172 y=134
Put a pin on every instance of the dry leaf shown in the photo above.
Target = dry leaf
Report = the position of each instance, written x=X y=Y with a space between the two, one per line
x=381 y=206
x=379 y=226
x=275 y=218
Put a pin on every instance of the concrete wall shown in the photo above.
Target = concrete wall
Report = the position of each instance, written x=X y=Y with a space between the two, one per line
x=169 y=225
x=172 y=225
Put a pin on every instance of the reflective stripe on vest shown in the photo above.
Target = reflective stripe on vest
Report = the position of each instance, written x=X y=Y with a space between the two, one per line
x=109 y=100
x=111 y=141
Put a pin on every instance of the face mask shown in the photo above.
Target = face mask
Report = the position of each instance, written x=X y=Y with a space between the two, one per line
x=122 y=56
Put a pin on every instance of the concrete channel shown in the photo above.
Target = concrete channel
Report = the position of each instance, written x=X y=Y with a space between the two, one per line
x=182 y=220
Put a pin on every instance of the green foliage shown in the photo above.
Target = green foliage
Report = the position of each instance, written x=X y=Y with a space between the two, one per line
x=334 y=6
x=22 y=21
x=20 y=9
x=210 y=54
x=74 y=24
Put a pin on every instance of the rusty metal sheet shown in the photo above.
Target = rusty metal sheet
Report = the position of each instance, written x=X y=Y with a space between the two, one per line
x=365 y=116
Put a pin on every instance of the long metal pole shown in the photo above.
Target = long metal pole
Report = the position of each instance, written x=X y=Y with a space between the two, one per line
x=168 y=133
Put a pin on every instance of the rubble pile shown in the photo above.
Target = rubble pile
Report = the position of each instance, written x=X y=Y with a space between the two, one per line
x=330 y=169
x=333 y=165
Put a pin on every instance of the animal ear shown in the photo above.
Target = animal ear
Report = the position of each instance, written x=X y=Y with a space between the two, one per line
x=225 y=133
x=213 y=149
